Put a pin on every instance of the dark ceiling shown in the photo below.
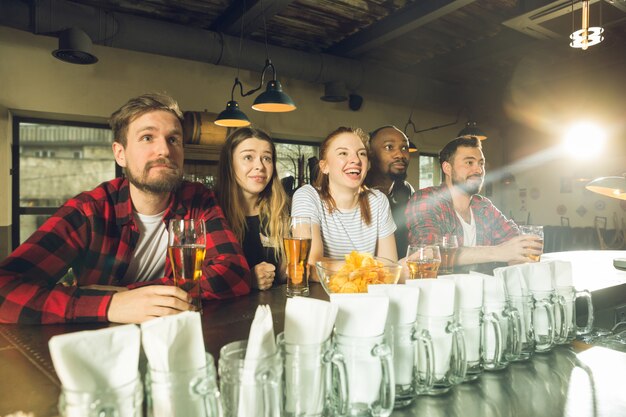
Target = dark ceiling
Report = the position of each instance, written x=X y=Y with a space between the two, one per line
x=469 y=46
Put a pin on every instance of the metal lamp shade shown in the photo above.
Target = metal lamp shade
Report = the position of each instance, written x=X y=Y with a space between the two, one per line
x=273 y=99
x=614 y=187
x=232 y=116
x=471 y=129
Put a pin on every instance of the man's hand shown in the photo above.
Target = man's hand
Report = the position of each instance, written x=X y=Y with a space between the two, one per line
x=517 y=249
x=145 y=303
x=264 y=274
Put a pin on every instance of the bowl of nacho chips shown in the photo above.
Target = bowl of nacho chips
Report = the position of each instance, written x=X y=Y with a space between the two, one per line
x=354 y=273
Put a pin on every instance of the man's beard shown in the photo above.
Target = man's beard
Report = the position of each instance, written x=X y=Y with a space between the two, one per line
x=400 y=176
x=468 y=187
x=167 y=183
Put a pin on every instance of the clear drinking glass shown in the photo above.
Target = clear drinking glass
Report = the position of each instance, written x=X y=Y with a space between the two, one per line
x=448 y=354
x=183 y=393
x=570 y=329
x=501 y=339
x=423 y=261
x=471 y=319
x=536 y=231
x=448 y=248
x=250 y=387
x=123 y=401
x=371 y=383
x=314 y=379
x=525 y=306
x=297 y=243
x=549 y=307
x=186 y=248
x=406 y=344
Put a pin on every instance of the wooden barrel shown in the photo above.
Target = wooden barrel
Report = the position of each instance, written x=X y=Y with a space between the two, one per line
x=199 y=129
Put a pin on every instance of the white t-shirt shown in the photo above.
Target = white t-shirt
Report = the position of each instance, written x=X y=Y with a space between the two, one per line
x=344 y=231
x=148 y=261
x=469 y=230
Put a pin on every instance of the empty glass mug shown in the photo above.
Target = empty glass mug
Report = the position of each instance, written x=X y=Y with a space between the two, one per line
x=123 y=401
x=570 y=329
x=474 y=321
x=406 y=342
x=192 y=393
x=371 y=384
x=448 y=355
x=525 y=347
x=309 y=388
x=502 y=338
x=250 y=387
x=548 y=306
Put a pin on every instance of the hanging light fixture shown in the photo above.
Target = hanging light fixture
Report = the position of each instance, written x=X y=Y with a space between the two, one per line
x=586 y=36
x=470 y=130
x=614 y=187
x=412 y=146
x=273 y=99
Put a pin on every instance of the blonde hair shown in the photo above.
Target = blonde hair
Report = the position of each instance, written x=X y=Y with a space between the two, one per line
x=322 y=181
x=272 y=201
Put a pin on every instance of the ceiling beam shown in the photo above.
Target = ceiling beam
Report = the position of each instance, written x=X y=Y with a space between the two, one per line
x=405 y=20
x=230 y=21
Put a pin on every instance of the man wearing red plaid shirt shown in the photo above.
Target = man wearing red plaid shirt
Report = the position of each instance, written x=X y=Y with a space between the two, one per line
x=485 y=235
x=114 y=238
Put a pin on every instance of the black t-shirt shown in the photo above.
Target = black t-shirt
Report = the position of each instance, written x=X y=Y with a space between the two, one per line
x=398 y=199
x=254 y=249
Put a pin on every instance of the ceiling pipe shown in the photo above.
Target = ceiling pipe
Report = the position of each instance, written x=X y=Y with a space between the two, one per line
x=135 y=33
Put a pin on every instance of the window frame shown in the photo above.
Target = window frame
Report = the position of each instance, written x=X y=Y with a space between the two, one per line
x=16 y=209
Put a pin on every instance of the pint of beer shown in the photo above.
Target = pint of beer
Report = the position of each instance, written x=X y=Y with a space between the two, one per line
x=186 y=249
x=423 y=261
x=297 y=243
x=535 y=231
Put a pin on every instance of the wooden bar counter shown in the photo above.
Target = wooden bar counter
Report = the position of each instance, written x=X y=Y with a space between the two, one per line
x=569 y=381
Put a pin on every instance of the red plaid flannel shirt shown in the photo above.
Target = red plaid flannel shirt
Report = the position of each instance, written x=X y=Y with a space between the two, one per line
x=430 y=214
x=94 y=233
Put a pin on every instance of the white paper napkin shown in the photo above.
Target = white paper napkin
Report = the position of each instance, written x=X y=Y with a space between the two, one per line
x=308 y=320
x=360 y=315
x=436 y=297
x=261 y=343
x=562 y=273
x=469 y=290
x=513 y=277
x=494 y=291
x=538 y=276
x=403 y=302
x=175 y=344
x=98 y=360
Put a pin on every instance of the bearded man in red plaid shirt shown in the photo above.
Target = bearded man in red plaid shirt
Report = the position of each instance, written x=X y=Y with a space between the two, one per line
x=485 y=235
x=114 y=237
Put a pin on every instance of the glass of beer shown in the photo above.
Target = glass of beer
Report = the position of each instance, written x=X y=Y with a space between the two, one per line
x=449 y=246
x=423 y=261
x=297 y=243
x=186 y=248
x=536 y=231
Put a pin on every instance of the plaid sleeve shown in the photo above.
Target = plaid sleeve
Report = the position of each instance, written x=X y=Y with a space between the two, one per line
x=500 y=228
x=225 y=271
x=425 y=218
x=29 y=292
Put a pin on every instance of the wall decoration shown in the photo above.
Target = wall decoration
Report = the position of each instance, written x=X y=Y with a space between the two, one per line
x=600 y=205
x=581 y=210
x=561 y=209
x=566 y=185
x=522 y=199
x=535 y=193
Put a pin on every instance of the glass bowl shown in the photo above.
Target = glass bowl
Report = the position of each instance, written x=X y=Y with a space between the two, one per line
x=338 y=276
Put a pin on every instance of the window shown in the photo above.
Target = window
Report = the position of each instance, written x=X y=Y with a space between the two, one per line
x=430 y=172
x=296 y=162
x=54 y=161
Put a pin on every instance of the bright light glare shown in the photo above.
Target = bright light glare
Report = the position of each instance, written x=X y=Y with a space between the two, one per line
x=584 y=140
